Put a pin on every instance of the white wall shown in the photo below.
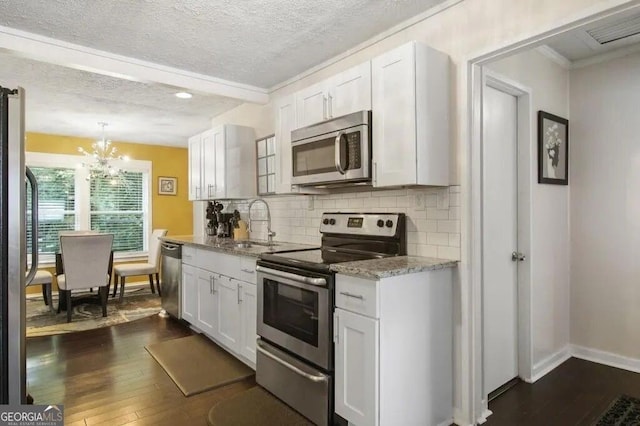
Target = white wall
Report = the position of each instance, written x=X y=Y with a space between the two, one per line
x=549 y=253
x=604 y=154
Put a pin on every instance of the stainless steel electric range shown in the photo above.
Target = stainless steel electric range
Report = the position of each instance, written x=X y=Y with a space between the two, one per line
x=296 y=303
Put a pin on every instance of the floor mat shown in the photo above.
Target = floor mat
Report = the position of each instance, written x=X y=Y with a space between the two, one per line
x=196 y=364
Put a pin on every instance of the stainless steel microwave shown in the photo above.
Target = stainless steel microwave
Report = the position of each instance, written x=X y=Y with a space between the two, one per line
x=333 y=151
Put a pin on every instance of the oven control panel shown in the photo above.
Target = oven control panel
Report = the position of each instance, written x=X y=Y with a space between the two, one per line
x=374 y=224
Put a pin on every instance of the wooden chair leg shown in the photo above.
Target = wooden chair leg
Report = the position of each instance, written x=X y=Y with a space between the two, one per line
x=158 y=284
x=69 y=307
x=121 y=288
x=153 y=287
x=62 y=295
x=104 y=295
x=44 y=294
x=115 y=285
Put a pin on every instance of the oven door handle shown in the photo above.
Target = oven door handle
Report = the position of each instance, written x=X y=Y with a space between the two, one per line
x=293 y=277
x=313 y=378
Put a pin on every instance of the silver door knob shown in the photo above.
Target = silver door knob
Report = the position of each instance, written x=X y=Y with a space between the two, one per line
x=516 y=256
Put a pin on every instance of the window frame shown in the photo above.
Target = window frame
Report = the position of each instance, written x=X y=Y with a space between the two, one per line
x=82 y=206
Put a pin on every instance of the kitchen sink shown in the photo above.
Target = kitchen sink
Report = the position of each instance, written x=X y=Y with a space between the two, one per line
x=250 y=243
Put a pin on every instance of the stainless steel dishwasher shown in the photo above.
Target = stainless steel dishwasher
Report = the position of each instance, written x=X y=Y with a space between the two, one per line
x=171 y=279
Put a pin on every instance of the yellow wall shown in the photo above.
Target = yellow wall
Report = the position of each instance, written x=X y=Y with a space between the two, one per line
x=170 y=212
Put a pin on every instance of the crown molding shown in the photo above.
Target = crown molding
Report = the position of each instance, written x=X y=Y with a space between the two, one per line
x=553 y=54
x=37 y=47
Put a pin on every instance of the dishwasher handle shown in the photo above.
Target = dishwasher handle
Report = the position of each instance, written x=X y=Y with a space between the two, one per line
x=171 y=250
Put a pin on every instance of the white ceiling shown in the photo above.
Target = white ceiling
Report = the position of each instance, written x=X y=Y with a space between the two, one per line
x=259 y=43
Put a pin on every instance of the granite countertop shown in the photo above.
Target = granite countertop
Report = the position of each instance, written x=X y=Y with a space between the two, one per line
x=228 y=245
x=391 y=266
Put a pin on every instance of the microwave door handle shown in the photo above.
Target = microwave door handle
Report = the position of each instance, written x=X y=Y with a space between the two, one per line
x=337 y=153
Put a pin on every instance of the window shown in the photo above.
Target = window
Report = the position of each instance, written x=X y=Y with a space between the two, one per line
x=68 y=201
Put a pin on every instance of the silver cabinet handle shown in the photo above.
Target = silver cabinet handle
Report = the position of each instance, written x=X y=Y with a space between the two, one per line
x=209 y=187
x=197 y=192
x=336 y=328
x=317 y=379
x=337 y=153
x=248 y=271
x=355 y=296
x=375 y=173
x=239 y=291
x=210 y=284
x=330 y=103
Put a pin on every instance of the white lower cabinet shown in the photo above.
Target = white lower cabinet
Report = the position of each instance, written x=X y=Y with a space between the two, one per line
x=356 y=361
x=228 y=311
x=189 y=293
x=393 y=349
x=206 y=300
x=222 y=306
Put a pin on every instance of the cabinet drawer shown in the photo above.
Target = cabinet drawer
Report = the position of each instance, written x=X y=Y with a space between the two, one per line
x=221 y=263
x=357 y=295
x=189 y=255
x=248 y=269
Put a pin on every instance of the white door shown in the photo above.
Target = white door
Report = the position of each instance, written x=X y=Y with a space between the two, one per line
x=248 y=320
x=350 y=91
x=500 y=237
x=311 y=104
x=189 y=293
x=228 y=311
x=208 y=165
x=356 y=353
x=206 y=320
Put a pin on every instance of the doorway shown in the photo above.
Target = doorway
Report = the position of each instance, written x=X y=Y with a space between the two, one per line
x=505 y=160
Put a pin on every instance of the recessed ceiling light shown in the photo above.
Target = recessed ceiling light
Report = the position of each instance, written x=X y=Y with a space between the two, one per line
x=184 y=95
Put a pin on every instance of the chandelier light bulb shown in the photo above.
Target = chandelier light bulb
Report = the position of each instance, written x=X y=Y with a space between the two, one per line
x=102 y=156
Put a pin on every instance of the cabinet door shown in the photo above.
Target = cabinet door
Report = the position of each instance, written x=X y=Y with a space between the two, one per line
x=218 y=135
x=248 y=320
x=189 y=294
x=195 y=185
x=350 y=91
x=285 y=111
x=394 y=117
x=208 y=166
x=356 y=357
x=228 y=321
x=206 y=320
x=311 y=104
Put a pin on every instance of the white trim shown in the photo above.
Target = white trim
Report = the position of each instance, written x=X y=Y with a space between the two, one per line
x=550 y=363
x=75 y=56
x=441 y=7
x=606 y=358
x=484 y=416
x=553 y=54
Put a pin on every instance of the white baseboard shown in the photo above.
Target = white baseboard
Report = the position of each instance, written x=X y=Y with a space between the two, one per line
x=483 y=418
x=545 y=366
x=606 y=358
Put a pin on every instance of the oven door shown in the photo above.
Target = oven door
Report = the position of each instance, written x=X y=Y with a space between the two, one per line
x=294 y=312
x=333 y=157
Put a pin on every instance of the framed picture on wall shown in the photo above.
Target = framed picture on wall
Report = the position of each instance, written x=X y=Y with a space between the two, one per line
x=553 y=149
x=167 y=185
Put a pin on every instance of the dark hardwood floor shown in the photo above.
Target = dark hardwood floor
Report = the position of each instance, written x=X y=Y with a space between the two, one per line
x=105 y=376
x=576 y=393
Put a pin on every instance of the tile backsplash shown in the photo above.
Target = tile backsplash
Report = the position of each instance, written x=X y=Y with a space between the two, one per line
x=433 y=216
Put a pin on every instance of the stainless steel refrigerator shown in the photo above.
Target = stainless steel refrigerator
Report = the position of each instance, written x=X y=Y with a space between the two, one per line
x=14 y=183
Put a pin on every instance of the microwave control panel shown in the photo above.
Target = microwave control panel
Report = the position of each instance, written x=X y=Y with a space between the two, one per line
x=353 y=151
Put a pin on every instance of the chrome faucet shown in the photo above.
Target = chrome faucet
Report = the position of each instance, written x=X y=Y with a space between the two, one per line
x=270 y=233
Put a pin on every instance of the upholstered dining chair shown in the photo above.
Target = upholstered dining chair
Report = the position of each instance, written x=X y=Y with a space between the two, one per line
x=86 y=264
x=45 y=279
x=151 y=267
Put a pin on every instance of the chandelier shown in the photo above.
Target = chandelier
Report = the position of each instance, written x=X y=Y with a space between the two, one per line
x=101 y=158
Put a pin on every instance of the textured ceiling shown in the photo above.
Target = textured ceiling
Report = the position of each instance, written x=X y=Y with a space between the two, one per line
x=258 y=42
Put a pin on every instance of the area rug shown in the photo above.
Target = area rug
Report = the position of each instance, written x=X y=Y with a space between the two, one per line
x=137 y=303
x=196 y=364
x=623 y=411
x=254 y=407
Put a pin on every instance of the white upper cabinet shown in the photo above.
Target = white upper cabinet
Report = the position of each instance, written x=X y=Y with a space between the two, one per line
x=285 y=113
x=222 y=163
x=344 y=93
x=410 y=103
